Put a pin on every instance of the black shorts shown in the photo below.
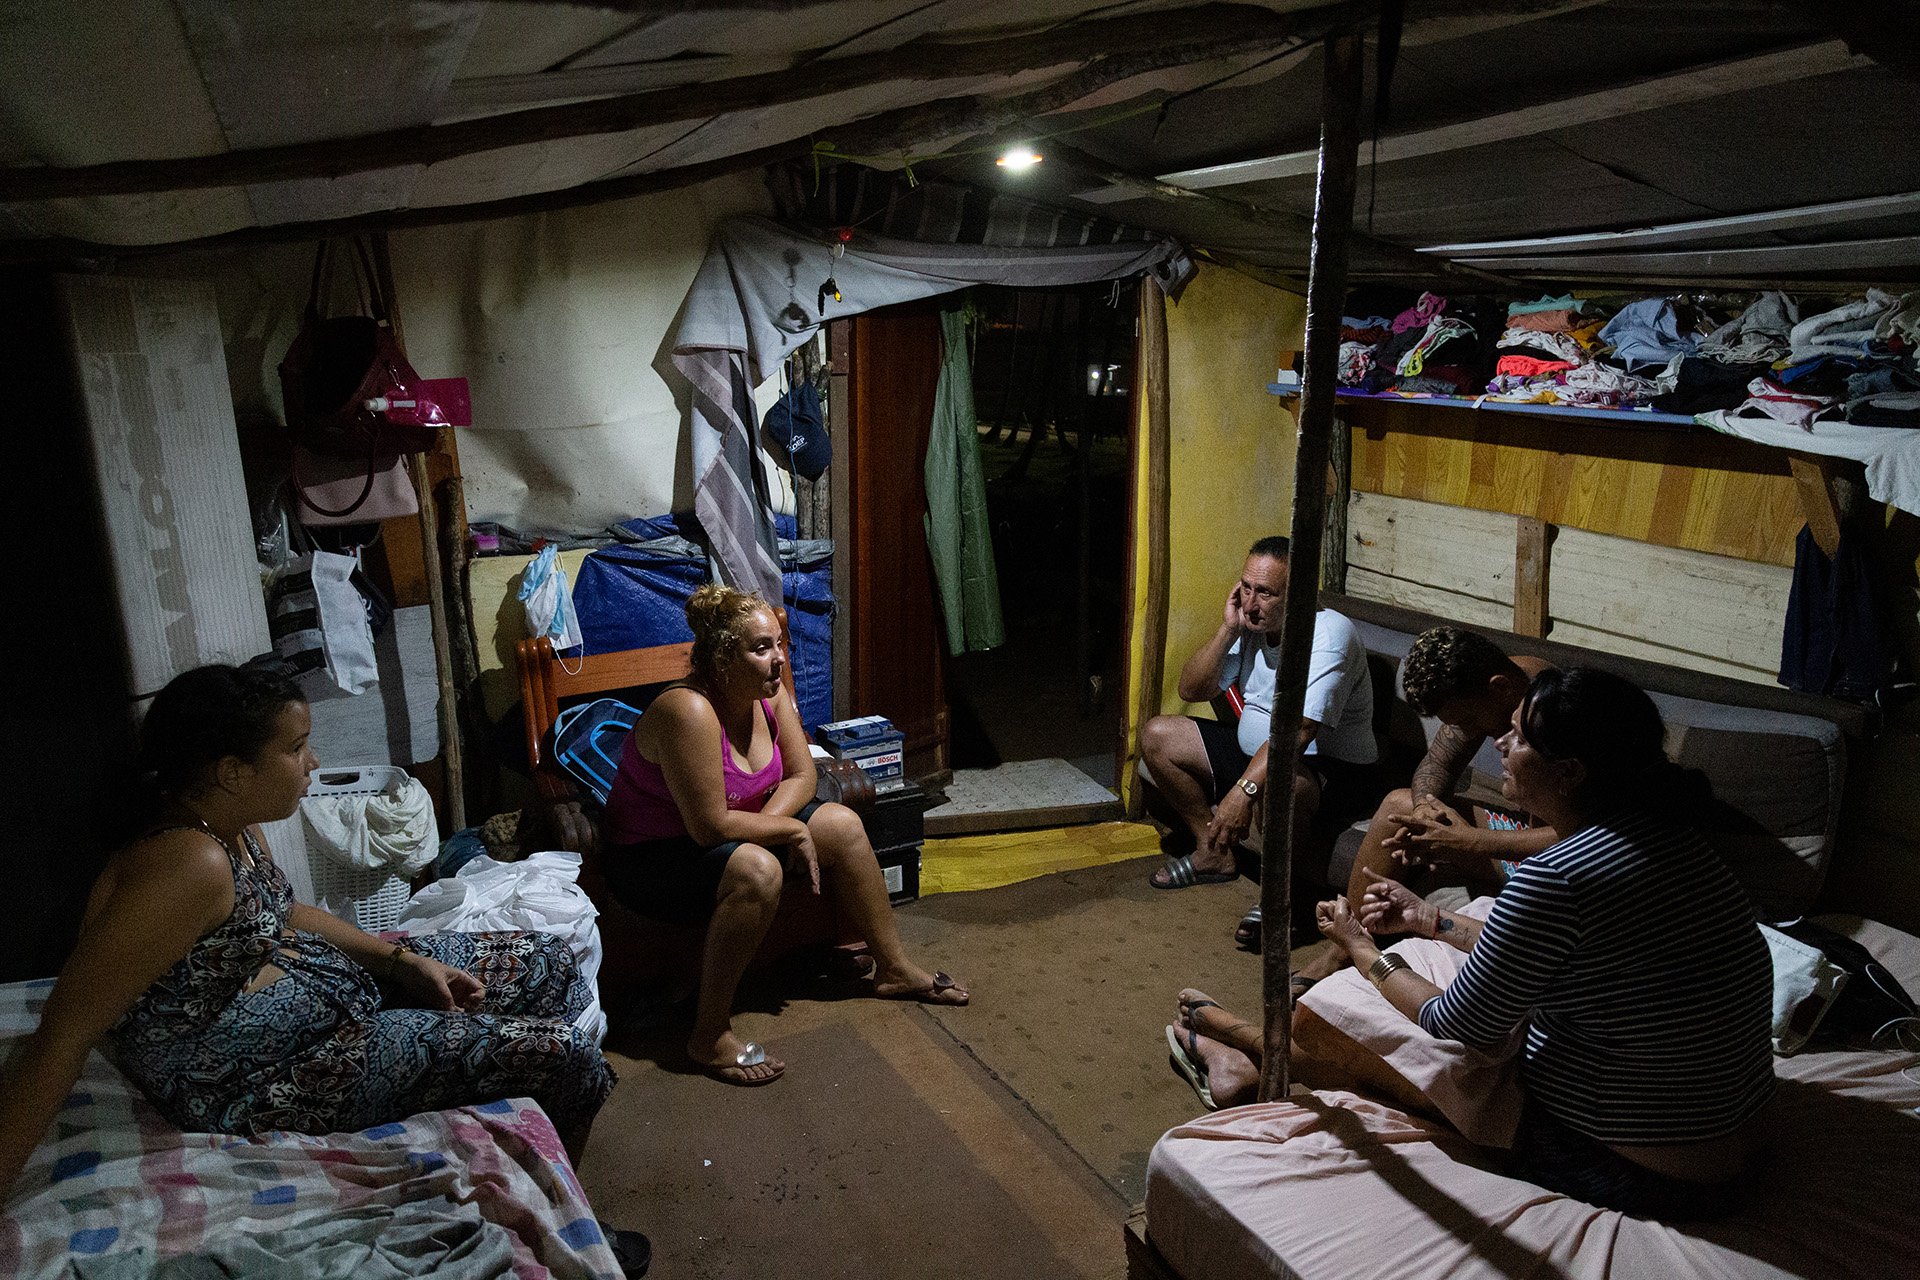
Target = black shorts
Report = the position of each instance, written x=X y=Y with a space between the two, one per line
x=675 y=880
x=1549 y=1153
x=1348 y=791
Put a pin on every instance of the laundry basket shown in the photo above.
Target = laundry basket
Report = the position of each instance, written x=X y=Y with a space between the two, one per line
x=371 y=900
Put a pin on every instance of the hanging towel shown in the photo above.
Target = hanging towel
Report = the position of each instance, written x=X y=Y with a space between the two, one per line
x=390 y=831
x=958 y=533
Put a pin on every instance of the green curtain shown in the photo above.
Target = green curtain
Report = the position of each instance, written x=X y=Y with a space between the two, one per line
x=957 y=530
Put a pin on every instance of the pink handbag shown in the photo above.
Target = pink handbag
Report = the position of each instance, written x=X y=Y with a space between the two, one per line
x=333 y=490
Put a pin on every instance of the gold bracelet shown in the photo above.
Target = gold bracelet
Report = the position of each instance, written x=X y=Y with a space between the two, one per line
x=1385 y=967
x=393 y=960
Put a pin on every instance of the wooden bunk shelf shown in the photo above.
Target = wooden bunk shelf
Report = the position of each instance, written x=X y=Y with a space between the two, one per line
x=1620 y=417
x=1652 y=477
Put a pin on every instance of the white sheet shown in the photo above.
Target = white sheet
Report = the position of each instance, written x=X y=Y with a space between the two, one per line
x=1891 y=454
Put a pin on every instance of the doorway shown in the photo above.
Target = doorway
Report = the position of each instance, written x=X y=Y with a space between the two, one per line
x=1035 y=722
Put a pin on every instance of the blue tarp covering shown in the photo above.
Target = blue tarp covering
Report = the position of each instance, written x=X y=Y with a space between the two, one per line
x=634 y=595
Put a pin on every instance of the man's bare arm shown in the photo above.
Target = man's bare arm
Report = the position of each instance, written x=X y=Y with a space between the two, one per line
x=1441 y=769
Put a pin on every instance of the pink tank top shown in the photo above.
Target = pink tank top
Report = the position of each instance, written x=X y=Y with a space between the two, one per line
x=641 y=808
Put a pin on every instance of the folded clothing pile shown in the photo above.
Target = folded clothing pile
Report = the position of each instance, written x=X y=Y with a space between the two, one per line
x=1436 y=347
x=1851 y=363
x=1768 y=355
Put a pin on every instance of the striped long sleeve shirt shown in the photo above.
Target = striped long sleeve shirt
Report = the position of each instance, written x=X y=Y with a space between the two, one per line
x=1632 y=954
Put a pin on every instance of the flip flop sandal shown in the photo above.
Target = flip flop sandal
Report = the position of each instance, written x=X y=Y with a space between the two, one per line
x=1187 y=1011
x=1298 y=986
x=631 y=1249
x=1181 y=875
x=1248 y=934
x=753 y=1055
x=1189 y=1064
x=932 y=995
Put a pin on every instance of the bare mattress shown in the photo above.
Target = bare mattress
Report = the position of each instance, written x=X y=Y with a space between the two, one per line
x=1333 y=1186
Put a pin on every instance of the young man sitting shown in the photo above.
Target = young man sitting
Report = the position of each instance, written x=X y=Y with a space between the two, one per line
x=1426 y=834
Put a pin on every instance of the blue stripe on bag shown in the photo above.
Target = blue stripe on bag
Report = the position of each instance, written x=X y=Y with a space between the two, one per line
x=588 y=740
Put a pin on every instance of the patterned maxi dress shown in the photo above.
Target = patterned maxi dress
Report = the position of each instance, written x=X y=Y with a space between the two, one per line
x=321 y=1051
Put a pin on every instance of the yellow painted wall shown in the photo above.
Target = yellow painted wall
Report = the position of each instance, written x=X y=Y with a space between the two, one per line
x=1230 y=477
x=500 y=622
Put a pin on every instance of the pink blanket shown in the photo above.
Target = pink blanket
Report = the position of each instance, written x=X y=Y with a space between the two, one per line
x=1337 y=1187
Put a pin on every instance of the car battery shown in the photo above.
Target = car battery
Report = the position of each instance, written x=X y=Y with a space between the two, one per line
x=870 y=742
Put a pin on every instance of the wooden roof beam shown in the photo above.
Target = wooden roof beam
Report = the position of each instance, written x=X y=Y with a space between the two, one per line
x=1410 y=260
x=1827 y=214
x=907 y=130
x=1881 y=29
x=1695 y=84
x=1205 y=33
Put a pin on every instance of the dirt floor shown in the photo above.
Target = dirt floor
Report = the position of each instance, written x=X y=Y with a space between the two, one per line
x=1005 y=1139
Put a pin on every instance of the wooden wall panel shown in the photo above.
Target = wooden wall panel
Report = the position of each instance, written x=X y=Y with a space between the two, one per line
x=1686 y=608
x=1694 y=609
x=1456 y=550
x=1692 y=490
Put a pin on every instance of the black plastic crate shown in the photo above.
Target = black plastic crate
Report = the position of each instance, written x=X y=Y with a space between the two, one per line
x=898 y=817
x=900 y=867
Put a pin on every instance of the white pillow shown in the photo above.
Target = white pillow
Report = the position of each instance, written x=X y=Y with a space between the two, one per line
x=1805 y=985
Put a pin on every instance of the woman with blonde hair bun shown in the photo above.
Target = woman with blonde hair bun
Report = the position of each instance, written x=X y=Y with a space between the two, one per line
x=713 y=808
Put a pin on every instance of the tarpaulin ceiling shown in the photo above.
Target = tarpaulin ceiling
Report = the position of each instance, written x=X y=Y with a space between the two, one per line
x=1510 y=119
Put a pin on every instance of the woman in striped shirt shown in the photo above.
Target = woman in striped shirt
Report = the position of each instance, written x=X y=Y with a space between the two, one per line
x=1628 y=949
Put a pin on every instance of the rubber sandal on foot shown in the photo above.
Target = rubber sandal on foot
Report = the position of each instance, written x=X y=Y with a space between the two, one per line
x=1248 y=933
x=735 y=1072
x=1190 y=1066
x=1181 y=875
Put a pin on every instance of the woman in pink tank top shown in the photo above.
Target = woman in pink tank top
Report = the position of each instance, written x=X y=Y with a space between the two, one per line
x=712 y=812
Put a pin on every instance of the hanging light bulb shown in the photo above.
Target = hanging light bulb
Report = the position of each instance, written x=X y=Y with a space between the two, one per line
x=1018 y=158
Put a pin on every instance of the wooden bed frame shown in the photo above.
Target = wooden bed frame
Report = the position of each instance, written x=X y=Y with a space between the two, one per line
x=1144 y=1262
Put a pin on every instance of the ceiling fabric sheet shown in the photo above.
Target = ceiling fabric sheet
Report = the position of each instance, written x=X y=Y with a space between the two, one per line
x=559 y=321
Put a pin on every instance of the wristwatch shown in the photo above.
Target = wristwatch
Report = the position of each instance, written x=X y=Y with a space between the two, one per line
x=1249 y=786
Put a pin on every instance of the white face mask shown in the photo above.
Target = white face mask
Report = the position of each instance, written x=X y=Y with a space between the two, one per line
x=549 y=601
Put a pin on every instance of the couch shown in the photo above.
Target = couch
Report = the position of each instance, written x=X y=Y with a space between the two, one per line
x=1778 y=760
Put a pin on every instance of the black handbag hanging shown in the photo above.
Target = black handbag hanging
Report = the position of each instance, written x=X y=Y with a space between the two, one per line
x=341 y=378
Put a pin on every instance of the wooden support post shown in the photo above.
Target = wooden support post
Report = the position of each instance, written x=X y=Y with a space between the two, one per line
x=1532 y=547
x=1333 y=556
x=1158 y=452
x=1326 y=299
x=1813 y=477
x=449 y=704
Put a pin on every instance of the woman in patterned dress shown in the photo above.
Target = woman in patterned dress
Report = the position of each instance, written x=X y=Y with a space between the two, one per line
x=238 y=1010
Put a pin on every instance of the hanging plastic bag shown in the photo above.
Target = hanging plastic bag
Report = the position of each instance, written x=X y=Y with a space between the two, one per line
x=539 y=894
x=318 y=620
x=543 y=589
